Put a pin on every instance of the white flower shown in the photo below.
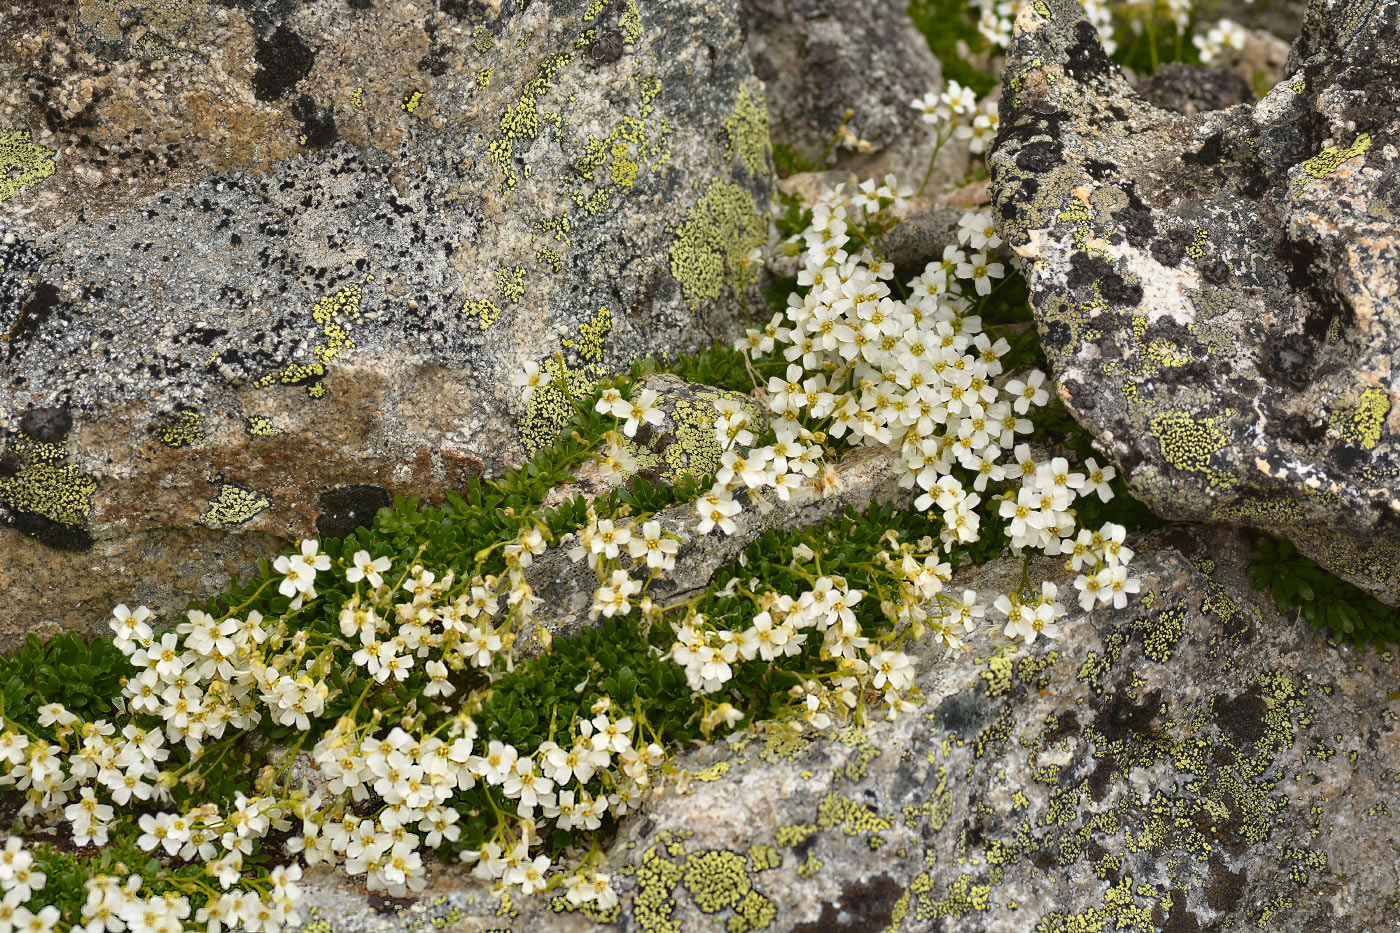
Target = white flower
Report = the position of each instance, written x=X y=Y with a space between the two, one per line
x=1098 y=480
x=528 y=379
x=1029 y=392
x=613 y=597
x=642 y=410
x=932 y=108
x=959 y=99
x=1226 y=34
x=366 y=569
x=655 y=545
x=437 y=680
x=977 y=230
x=980 y=270
x=894 y=668
x=130 y=628
x=716 y=509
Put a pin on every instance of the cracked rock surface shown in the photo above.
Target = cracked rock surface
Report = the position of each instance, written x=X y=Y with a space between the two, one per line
x=1192 y=762
x=1218 y=294
x=263 y=264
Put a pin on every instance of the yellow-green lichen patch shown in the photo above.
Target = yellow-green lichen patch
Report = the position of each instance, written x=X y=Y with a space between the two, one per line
x=22 y=162
x=747 y=129
x=631 y=23
x=46 y=485
x=552 y=405
x=233 y=505
x=1362 y=424
x=965 y=896
x=510 y=282
x=1189 y=443
x=1330 y=159
x=411 y=101
x=713 y=773
x=711 y=244
x=795 y=833
x=593 y=334
x=763 y=857
x=998 y=673
x=1120 y=911
x=836 y=809
x=336 y=314
x=482 y=313
x=357 y=98
x=260 y=426
x=182 y=429
x=1161 y=632
x=715 y=879
x=614 y=163
x=168 y=19
x=521 y=120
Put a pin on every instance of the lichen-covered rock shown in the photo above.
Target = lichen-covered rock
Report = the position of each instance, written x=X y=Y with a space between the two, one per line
x=1218 y=294
x=1193 y=762
x=263 y=264
x=819 y=58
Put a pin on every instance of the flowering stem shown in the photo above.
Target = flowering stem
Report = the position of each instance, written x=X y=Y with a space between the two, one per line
x=942 y=138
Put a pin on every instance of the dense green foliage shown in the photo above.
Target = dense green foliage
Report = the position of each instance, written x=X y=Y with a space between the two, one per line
x=1300 y=584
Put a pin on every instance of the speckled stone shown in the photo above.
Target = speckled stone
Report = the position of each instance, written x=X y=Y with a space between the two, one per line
x=1217 y=294
x=264 y=264
x=1193 y=762
x=820 y=58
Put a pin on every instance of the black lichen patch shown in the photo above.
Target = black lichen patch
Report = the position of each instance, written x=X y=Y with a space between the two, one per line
x=1224 y=888
x=1179 y=919
x=608 y=48
x=48 y=423
x=1170 y=248
x=963 y=714
x=1086 y=60
x=346 y=508
x=1120 y=718
x=1243 y=716
x=283 y=60
x=1040 y=156
x=1087 y=271
x=57 y=535
x=1212 y=152
x=862 y=907
x=36 y=311
x=317 y=124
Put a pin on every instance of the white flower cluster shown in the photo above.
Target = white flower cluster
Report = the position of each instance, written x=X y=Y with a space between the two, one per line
x=416 y=776
x=781 y=628
x=1225 y=34
x=211 y=680
x=20 y=879
x=956 y=112
x=919 y=375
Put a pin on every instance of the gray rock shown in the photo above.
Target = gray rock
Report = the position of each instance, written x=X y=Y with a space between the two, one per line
x=264 y=264
x=1217 y=293
x=1195 y=761
x=819 y=58
x=1282 y=18
x=1191 y=89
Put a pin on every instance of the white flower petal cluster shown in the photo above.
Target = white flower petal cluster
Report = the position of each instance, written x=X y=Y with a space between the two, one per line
x=1225 y=34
